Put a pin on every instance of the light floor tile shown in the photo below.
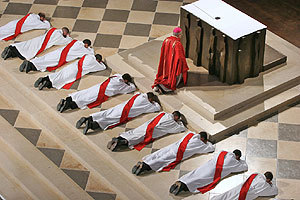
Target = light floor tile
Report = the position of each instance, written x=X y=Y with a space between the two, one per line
x=232 y=143
x=128 y=41
x=47 y=9
x=25 y=121
x=62 y=22
x=77 y=3
x=69 y=162
x=288 y=150
x=288 y=189
x=87 y=13
x=96 y=185
x=264 y=130
x=261 y=165
x=115 y=28
x=119 y=4
x=106 y=52
x=141 y=17
x=195 y=162
x=290 y=116
x=160 y=30
x=168 y=7
x=46 y=141
x=82 y=35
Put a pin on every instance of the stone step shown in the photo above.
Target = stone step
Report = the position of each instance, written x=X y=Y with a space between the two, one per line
x=22 y=95
x=39 y=175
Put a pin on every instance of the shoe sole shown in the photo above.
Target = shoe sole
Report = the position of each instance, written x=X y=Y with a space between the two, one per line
x=85 y=130
x=80 y=122
x=22 y=66
x=38 y=82
x=59 y=105
x=4 y=52
x=41 y=86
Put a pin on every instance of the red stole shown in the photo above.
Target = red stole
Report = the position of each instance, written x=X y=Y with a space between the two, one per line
x=101 y=94
x=63 y=56
x=172 y=63
x=124 y=117
x=46 y=40
x=18 y=28
x=246 y=186
x=78 y=76
x=149 y=132
x=180 y=153
x=217 y=176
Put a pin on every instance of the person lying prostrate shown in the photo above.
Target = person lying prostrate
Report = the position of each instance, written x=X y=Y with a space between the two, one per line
x=168 y=157
x=97 y=94
x=207 y=176
x=72 y=72
x=31 y=48
x=29 y=22
x=55 y=59
x=139 y=104
x=156 y=127
x=256 y=185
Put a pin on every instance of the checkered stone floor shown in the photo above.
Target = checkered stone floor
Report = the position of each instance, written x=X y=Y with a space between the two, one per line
x=112 y=25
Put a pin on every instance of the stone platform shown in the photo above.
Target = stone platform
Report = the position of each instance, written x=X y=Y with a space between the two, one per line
x=213 y=106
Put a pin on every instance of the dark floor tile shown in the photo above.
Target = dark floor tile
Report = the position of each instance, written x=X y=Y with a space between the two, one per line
x=106 y=72
x=154 y=150
x=112 y=41
x=115 y=15
x=151 y=38
x=128 y=129
x=10 y=115
x=55 y=155
x=50 y=2
x=177 y=167
x=102 y=196
x=288 y=169
x=78 y=176
x=296 y=104
x=17 y=8
x=270 y=118
x=289 y=132
x=88 y=26
x=137 y=29
x=30 y=134
x=144 y=5
x=95 y=3
x=166 y=19
x=149 y=145
x=75 y=85
x=120 y=50
x=242 y=133
x=182 y=173
x=66 y=12
x=261 y=148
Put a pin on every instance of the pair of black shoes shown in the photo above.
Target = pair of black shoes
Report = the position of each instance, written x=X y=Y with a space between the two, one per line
x=88 y=124
x=27 y=66
x=139 y=168
x=62 y=106
x=6 y=53
x=117 y=143
x=40 y=83
x=177 y=187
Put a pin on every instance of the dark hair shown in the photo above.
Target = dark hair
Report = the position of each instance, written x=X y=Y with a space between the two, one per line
x=150 y=95
x=65 y=28
x=269 y=175
x=98 y=57
x=127 y=77
x=87 y=41
x=237 y=152
x=177 y=113
x=42 y=15
x=203 y=135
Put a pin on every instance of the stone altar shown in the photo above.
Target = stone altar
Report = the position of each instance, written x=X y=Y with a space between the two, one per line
x=222 y=39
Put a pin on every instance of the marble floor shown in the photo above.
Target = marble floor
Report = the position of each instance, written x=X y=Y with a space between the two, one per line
x=113 y=26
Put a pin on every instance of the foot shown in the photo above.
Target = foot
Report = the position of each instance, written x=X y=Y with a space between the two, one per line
x=142 y=167
x=23 y=65
x=4 y=52
x=112 y=145
x=42 y=85
x=60 y=106
x=135 y=167
x=87 y=127
x=80 y=122
x=38 y=82
x=175 y=188
x=27 y=68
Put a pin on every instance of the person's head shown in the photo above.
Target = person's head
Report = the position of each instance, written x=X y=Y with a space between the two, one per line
x=269 y=177
x=65 y=31
x=42 y=16
x=203 y=136
x=176 y=115
x=98 y=58
x=127 y=78
x=177 y=32
x=237 y=154
x=87 y=43
x=150 y=96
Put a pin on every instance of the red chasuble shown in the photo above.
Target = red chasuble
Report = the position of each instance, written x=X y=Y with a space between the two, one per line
x=18 y=28
x=101 y=94
x=217 y=176
x=172 y=63
x=180 y=153
x=124 y=117
x=63 y=56
x=149 y=132
x=46 y=40
x=78 y=75
x=246 y=186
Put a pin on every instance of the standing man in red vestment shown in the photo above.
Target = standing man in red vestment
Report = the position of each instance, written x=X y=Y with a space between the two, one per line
x=172 y=65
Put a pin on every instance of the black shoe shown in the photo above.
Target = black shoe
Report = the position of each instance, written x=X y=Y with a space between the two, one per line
x=80 y=122
x=4 y=52
x=38 y=82
x=42 y=85
x=142 y=167
x=23 y=65
x=176 y=188
x=28 y=68
x=87 y=127
x=61 y=105
x=112 y=145
x=135 y=167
